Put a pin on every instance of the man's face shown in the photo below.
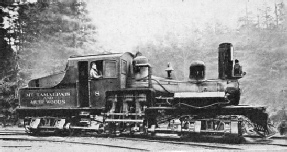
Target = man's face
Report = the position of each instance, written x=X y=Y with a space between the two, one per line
x=94 y=66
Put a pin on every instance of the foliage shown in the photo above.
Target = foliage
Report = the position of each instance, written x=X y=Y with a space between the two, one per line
x=51 y=34
x=9 y=77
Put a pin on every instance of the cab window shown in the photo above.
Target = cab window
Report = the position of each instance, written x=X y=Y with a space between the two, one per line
x=124 y=67
x=96 y=69
x=110 y=69
x=99 y=64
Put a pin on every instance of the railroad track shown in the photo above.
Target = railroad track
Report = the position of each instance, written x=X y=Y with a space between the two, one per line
x=165 y=140
x=260 y=141
x=173 y=141
x=140 y=138
x=282 y=142
x=73 y=142
x=125 y=147
x=12 y=132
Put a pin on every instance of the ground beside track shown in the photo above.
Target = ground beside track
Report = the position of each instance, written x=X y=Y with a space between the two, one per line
x=14 y=139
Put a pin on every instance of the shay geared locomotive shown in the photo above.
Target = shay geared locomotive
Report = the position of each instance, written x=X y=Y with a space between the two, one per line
x=124 y=97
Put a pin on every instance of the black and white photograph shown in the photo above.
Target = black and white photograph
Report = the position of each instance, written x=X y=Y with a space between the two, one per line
x=143 y=75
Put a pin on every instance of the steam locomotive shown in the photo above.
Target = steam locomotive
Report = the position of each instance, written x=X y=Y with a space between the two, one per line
x=128 y=99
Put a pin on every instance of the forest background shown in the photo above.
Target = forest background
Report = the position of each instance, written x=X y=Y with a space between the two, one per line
x=37 y=37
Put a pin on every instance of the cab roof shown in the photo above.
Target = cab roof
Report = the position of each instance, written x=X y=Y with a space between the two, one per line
x=75 y=57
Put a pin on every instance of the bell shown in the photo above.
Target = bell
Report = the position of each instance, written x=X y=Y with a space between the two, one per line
x=169 y=67
x=168 y=70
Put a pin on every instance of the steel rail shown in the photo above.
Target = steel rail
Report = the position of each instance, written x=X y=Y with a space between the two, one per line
x=163 y=140
x=72 y=142
x=282 y=145
x=177 y=143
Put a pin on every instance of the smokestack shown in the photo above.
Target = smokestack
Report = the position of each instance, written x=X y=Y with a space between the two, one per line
x=225 y=60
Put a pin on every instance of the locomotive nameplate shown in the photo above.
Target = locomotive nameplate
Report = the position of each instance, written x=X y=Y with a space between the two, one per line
x=47 y=98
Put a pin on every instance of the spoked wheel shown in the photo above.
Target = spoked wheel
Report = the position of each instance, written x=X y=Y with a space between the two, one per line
x=101 y=129
x=26 y=126
x=27 y=129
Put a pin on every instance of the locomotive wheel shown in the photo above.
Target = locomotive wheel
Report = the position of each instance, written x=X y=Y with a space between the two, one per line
x=152 y=134
x=112 y=129
x=34 y=132
x=76 y=132
x=26 y=126
x=27 y=130
x=101 y=130
x=59 y=132
x=63 y=133
x=131 y=133
x=72 y=132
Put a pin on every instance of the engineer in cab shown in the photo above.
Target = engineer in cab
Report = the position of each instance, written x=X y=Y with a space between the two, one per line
x=94 y=72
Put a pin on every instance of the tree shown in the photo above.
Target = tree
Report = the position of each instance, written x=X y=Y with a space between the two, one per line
x=281 y=15
x=9 y=44
x=53 y=33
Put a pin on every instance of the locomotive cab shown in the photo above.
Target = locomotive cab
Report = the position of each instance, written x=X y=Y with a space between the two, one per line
x=74 y=88
x=114 y=71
